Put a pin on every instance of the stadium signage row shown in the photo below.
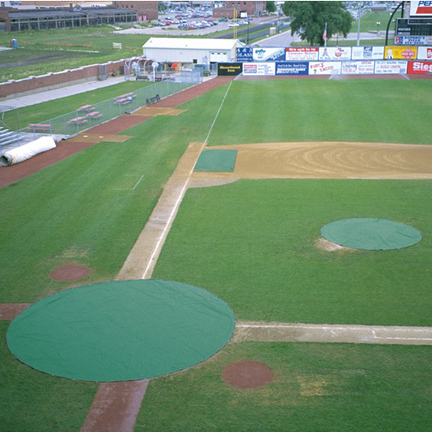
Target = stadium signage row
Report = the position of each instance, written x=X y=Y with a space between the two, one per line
x=393 y=52
x=334 y=67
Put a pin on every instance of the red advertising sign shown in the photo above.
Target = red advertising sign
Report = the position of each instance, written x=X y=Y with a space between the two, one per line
x=420 y=67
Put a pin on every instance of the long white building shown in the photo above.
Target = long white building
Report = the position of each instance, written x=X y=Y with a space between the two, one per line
x=191 y=51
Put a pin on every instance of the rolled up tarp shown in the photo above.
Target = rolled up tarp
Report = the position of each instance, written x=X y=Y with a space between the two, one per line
x=27 y=151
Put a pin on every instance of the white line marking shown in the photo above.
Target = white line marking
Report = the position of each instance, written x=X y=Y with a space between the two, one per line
x=138 y=182
x=217 y=114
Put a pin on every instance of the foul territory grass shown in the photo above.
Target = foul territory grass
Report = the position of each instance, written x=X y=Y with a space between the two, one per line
x=316 y=387
x=32 y=401
x=91 y=207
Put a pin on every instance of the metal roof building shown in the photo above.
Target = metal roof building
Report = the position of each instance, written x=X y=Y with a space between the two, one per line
x=191 y=51
x=64 y=18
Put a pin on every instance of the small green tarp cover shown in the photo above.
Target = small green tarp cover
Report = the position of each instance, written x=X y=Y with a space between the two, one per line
x=370 y=234
x=121 y=330
x=216 y=160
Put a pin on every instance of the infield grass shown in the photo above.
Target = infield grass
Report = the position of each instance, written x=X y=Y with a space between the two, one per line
x=253 y=243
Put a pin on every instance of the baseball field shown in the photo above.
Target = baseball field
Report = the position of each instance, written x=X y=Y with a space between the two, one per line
x=308 y=153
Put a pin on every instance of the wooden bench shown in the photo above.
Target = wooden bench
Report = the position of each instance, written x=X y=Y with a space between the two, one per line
x=153 y=99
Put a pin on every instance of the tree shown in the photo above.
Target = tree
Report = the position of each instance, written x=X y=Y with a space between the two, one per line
x=310 y=18
x=270 y=6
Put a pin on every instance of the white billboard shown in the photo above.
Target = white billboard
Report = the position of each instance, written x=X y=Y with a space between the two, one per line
x=424 y=53
x=391 y=67
x=358 y=67
x=324 y=68
x=421 y=8
x=337 y=53
x=368 y=53
x=256 y=69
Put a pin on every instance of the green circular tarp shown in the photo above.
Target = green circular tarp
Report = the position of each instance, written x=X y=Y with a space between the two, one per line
x=122 y=330
x=370 y=234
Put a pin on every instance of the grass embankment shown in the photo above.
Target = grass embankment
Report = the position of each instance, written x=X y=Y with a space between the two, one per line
x=48 y=51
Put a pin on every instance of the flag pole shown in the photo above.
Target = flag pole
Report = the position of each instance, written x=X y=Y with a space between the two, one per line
x=325 y=35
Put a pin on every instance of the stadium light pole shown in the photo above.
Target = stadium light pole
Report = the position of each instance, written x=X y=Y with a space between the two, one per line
x=358 y=21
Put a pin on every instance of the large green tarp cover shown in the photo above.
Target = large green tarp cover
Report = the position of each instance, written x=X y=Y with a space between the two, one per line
x=122 y=330
x=216 y=160
x=370 y=234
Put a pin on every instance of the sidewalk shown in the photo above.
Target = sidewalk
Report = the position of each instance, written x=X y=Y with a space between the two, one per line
x=67 y=90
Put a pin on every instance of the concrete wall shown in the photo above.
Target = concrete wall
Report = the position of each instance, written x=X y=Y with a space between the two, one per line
x=50 y=81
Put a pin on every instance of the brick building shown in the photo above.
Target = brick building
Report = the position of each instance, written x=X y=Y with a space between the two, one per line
x=244 y=9
x=146 y=10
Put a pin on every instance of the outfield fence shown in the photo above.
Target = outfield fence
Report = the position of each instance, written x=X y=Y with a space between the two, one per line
x=88 y=116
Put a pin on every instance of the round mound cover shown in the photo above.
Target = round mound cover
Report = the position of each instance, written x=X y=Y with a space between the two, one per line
x=370 y=234
x=121 y=330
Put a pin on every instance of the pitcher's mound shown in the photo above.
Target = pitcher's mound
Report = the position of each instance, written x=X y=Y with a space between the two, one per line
x=247 y=374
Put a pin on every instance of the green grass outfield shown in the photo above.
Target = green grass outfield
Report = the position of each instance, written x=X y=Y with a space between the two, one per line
x=85 y=209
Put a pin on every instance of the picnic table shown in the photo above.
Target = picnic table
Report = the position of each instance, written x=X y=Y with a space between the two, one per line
x=38 y=127
x=77 y=121
x=86 y=108
x=94 y=115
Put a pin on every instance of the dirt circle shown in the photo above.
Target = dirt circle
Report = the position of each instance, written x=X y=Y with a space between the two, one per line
x=247 y=374
x=70 y=272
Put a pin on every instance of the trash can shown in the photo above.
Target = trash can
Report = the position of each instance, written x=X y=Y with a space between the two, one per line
x=14 y=43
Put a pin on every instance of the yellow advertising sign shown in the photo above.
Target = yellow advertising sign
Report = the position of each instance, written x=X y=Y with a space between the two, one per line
x=400 y=52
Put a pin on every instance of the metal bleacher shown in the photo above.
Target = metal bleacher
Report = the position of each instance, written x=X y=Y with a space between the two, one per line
x=8 y=137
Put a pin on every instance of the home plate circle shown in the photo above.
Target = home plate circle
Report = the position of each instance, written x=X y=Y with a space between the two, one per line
x=247 y=374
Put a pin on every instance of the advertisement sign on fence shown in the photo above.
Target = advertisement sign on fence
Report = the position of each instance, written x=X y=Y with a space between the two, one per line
x=358 y=67
x=337 y=53
x=391 y=67
x=400 y=52
x=258 y=69
x=368 y=53
x=230 y=68
x=301 y=54
x=324 y=68
x=413 y=40
x=245 y=54
x=292 y=68
x=420 y=67
x=424 y=53
x=268 y=54
x=420 y=8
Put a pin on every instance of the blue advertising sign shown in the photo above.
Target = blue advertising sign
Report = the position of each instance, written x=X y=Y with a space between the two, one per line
x=413 y=40
x=245 y=54
x=292 y=68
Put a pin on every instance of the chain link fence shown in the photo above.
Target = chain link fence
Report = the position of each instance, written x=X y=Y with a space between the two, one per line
x=87 y=116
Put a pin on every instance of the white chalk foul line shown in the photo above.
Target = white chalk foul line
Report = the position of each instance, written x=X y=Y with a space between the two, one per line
x=168 y=223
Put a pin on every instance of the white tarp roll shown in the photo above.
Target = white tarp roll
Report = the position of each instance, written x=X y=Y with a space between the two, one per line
x=27 y=151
